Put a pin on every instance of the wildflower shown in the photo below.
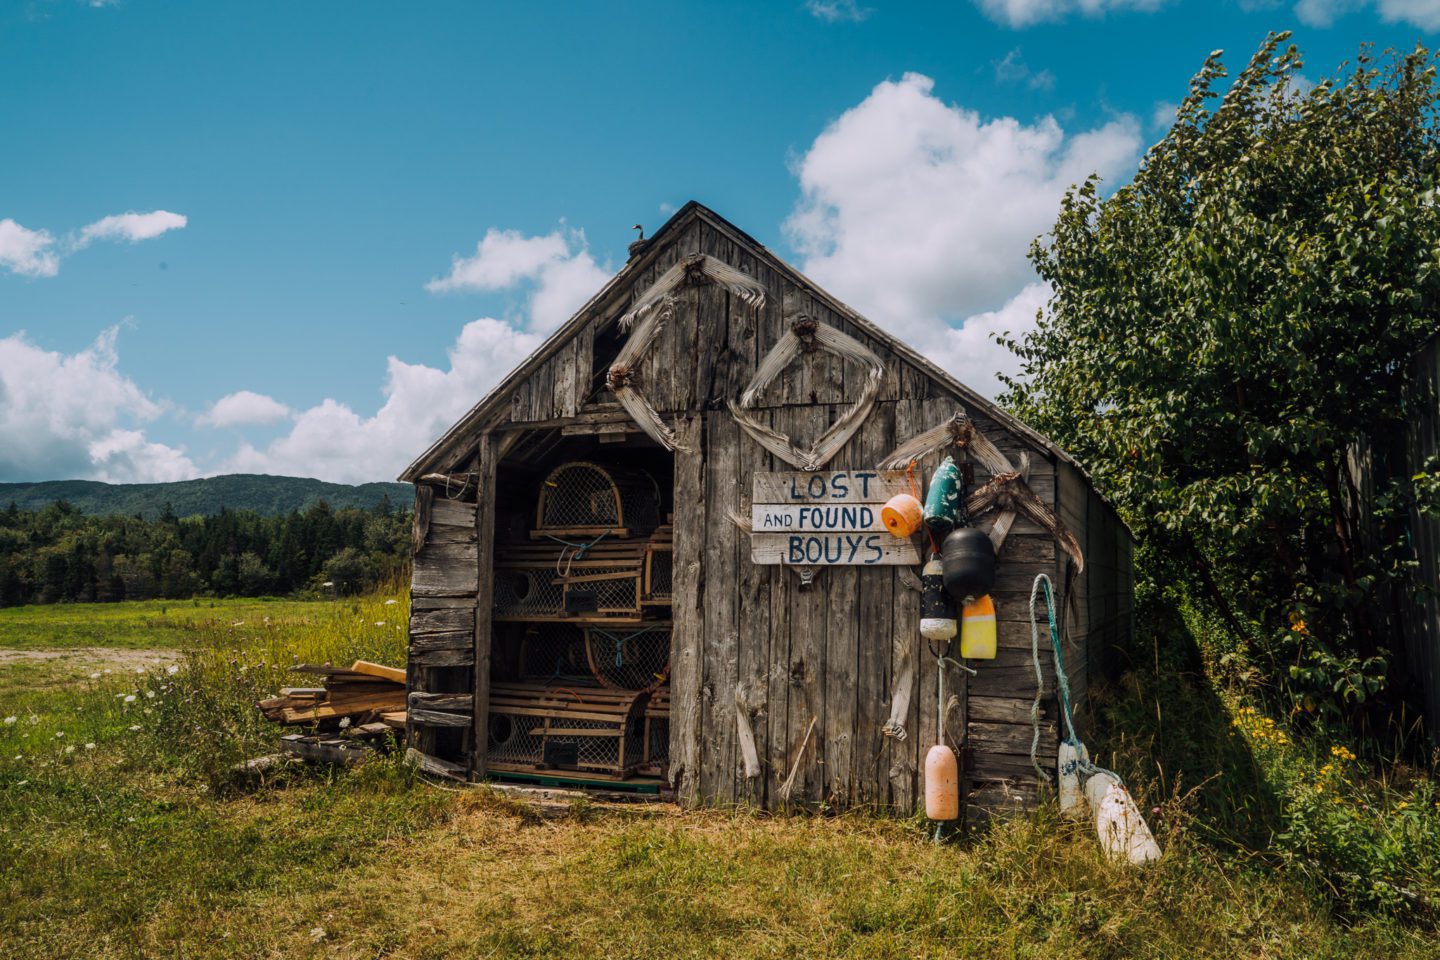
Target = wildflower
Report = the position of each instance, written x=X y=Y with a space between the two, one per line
x=379 y=623
x=34 y=719
x=150 y=694
x=129 y=698
x=1342 y=753
x=59 y=734
x=89 y=746
x=238 y=623
x=172 y=669
x=95 y=675
x=10 y=721
x=317 y=934
x=344 y=722
x=1402 y=804
x=134 y=728
x=391 y=603
x=140 y=670
x=70 y=749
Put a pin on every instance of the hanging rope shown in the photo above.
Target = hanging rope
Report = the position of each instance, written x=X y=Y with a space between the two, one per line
x=567 y=557
x=1062 y=686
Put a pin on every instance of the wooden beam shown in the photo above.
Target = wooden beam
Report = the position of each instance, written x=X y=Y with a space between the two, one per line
x=687 y=638
x=489 y=456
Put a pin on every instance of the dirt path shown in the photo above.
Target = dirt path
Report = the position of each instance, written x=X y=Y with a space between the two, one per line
x=107 y=656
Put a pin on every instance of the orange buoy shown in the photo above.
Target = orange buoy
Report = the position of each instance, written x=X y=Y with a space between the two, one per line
x=902 y=515
x=942 y=784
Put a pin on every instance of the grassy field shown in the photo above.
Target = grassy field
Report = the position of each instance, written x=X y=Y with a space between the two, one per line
x=122 y=835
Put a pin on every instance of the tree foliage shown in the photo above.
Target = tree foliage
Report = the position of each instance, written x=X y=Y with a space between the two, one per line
x=60 y=554
x=1230 y=328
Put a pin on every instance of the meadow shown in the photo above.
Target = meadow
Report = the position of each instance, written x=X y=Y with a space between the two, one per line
x=124 y=834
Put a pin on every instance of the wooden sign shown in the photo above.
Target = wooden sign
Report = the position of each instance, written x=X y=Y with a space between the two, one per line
x=826 y=518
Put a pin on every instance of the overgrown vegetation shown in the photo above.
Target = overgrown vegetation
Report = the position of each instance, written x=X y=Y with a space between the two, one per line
x=59 y=554
x=1229 y=327
x=123 y=834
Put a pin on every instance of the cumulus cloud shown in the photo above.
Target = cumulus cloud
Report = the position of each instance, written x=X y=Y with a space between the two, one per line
x=243 y=408
x=27 y=252
x=1424 y=14
x=835 y=11
x=969 y=352
x=1024 y=13
x=73 y=416
x=920 y=213
x=333 y=442
x=132 y=226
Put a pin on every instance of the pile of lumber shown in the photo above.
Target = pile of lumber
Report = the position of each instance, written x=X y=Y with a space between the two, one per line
x=364 y=692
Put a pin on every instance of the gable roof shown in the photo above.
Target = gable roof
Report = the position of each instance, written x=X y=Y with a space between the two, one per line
x=467 y=425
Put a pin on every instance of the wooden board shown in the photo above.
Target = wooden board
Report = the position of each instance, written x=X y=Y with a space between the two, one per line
x=829 y=549
x=816 y=517
x=829 y=486
x=393 y=674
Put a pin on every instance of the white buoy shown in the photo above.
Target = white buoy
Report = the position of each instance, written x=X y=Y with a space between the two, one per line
x=1123 y=833
x=1072 y=792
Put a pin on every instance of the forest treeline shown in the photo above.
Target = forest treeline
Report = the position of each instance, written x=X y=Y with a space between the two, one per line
x=61 y=554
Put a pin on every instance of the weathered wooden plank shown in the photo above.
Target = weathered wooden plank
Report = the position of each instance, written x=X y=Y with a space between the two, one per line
x=487 y=472
x=443 y=620
x=718 y=758
x=439 y=718
x=455 y=702
x=443 y=658
x=1015 y=738
x=753 y=626
x=874 y=604
x=785 y=518
x=1008 y=709
x=449 y=640
x=453 y=513
x=688 y=637
x=444 y=573
x=831 y=549
x=859 y=485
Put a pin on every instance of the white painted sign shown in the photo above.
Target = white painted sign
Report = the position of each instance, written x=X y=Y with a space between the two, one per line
x=815 y=517
x=827 y=518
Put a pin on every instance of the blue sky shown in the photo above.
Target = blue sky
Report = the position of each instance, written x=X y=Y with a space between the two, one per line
x=304 y=177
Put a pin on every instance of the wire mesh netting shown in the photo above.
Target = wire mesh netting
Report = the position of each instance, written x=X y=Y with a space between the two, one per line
x=603 y=746
x=658 y=569
x=587 y=496
x=635 y=658
x=528 y=591
x=555 y=652
x=657 y=745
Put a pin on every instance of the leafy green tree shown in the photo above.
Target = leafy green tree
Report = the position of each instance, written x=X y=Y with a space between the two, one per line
x=1230 y=329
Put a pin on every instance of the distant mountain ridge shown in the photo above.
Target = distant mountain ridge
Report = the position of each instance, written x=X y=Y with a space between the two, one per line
x=264 y=494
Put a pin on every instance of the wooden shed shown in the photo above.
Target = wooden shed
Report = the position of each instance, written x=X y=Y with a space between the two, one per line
x=610 y=586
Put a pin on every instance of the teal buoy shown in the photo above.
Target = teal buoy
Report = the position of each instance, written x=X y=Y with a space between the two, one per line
x=942 y=500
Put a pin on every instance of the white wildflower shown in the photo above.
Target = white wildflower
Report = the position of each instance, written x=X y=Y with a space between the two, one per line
x=344 y=722
x=391 y=603
x=129 y=698
x=10 y=721
x=133 y=728
x=89 y=746
x=172 y=669
x=108 y=670
x=34 y=719
x=379 y=623
x=238 y=623
x=140 y=670
x=95 y=675
x=70 y=749
x=129 y=819
x=59 y=734
x=150 y=694
x=317 y=934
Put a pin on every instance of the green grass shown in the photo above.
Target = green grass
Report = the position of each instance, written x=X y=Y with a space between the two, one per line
x=143 y=846
x=143 y=624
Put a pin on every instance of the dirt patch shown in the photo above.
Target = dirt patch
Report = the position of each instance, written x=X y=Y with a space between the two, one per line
x=106 y=656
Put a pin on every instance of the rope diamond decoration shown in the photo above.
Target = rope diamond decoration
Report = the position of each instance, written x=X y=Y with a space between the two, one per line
x=808 y=333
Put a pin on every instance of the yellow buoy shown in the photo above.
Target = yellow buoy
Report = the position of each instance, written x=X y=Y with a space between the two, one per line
x=977 y=630
x=942 y=784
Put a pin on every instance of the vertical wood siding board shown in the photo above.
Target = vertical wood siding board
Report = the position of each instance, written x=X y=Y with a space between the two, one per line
x=584 y=364
x=875 y=438
x=565 y=390
x=840 y=675
x=687 y=637
x=900 y=756
x=718 y=759
x=752 y=623
x=484 y=556
x=808 y=624
x=792 y=381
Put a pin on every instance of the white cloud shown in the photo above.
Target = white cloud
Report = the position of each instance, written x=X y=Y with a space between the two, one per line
x=1013 y=69
x=920 y=213
x=333 y=442
x=1024 y=13
x=834 y=11
x=1163 y=116
x=243 y=408
x=27 y=252
x=1424 y=14
x=131 y=226
x=969 y=351
x=64 y=416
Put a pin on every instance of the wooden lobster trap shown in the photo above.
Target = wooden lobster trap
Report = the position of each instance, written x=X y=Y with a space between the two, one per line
x=583 y=499
x=656 y=759
x=659 y=566
x=533 y=728
x=557 y=581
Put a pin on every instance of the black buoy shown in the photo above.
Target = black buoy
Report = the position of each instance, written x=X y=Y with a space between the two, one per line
x=968 y=558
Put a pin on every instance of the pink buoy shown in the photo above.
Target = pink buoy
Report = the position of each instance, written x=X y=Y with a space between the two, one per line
x=942 y=784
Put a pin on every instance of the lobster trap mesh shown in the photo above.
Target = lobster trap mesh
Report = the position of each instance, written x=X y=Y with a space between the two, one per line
x=600 y=746
x=631 y=658
x=659 y=568
x=528 y=591
x=587 y=496
x=657 y=745
x=555 y=652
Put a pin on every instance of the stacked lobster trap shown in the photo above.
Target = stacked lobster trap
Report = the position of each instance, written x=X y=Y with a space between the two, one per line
x=581 y=649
